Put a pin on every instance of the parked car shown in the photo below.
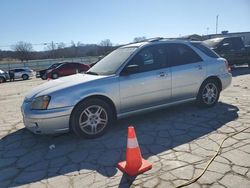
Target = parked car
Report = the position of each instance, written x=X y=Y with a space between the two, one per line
x=135 y=78
x=42 y=73
x=231 y=48
x=23 y=73
x=4 y=76
x=66 y=69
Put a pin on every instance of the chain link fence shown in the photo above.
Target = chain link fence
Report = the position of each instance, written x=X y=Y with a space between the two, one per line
x=44 y=63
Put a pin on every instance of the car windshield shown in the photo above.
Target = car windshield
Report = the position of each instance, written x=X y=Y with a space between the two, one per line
x=111 y=63
x=212 y=43
x=54 y=65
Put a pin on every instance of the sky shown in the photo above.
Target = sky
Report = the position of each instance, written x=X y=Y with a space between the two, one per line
x=91 y=21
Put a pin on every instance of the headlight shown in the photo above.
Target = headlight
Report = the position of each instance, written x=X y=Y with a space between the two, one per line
x=40 y=103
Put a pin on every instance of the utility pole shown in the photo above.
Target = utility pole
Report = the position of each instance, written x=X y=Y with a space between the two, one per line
x=217 y=24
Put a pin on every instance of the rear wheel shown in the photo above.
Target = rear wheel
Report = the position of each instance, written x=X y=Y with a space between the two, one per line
x=209 y=93
x=25 y=77
x=2 y=80
x=91 y=118
x=55 y=76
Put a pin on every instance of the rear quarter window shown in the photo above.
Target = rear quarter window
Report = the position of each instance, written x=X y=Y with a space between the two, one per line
x=205 y=49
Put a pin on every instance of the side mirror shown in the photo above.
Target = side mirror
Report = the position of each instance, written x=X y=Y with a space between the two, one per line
x=130 y=69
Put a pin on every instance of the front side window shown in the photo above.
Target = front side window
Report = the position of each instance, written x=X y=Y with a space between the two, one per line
x=181 y=54
x=112 y=62
x=150 y=58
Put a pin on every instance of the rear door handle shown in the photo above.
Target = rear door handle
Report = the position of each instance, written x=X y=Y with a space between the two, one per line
x=163 y=74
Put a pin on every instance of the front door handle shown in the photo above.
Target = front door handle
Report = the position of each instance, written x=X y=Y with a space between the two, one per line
x=199 y=67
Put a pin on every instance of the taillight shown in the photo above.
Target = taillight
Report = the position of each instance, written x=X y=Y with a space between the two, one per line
x=228 y=66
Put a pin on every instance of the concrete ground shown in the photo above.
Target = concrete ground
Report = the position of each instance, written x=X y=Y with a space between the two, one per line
x=178 y=141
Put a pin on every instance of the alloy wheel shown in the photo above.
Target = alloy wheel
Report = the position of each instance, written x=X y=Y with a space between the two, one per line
x=93 y=119
x=210 y=93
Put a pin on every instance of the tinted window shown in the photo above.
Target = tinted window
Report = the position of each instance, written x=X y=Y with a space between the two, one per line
x=150 y=58
x=181 y=54
x=237 y=43
x=205 y=50
x=18 y=70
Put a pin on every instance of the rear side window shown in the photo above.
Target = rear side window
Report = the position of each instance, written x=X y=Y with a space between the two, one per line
x=237 y=43
x=205 y=50
x=181 y=54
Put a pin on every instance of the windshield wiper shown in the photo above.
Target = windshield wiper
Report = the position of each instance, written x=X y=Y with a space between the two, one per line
x=92 y=73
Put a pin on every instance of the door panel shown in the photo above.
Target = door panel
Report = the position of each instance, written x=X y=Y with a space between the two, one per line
x=186 y=80
x=188 y=71
x=151 y=85
x=144 y=90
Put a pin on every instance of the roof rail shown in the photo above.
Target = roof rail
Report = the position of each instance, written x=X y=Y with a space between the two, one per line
x=153 y=39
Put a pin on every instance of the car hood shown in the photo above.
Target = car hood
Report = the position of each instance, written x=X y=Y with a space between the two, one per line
x=61 y=83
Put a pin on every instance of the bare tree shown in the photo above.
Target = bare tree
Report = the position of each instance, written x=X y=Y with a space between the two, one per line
x=106 y=43
x=23 y=50
x=61 y=51
x=51 y=47
x=139 y=39
x=106 y=46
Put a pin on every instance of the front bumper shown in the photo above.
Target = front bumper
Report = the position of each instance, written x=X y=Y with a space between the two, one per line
x=51 y=121
x=226 y=80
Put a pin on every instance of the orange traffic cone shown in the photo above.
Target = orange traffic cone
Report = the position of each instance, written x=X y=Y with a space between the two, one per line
x=134 y=163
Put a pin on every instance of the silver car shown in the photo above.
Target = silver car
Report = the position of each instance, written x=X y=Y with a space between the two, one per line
x=23 y=73
x=135 y=78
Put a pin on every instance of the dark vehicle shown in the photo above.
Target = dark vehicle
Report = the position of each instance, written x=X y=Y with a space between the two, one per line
x=66 y=69
x=42 y=73
x=4 y=76
x=231 y=48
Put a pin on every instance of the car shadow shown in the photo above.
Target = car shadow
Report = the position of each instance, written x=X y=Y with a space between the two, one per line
x=27 y=158
x=242 y=70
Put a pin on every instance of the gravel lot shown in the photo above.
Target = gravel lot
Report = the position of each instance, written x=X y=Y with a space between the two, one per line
x=179 y=141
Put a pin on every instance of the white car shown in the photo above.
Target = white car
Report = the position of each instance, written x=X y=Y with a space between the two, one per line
x=23 y=73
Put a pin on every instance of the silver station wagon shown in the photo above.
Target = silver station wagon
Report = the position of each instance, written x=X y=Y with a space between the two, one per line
x=134 y=78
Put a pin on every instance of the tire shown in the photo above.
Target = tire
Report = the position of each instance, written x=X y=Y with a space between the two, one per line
x=54 y=76
x=209 y=93
x=2 y=80
x=94 y=125
x=25 y=77
x=44 y=77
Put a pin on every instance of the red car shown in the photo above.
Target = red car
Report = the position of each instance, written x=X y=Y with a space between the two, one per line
x=66 y=69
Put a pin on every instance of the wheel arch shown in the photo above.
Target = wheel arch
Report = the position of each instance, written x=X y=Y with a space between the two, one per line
x=216 y=78
x=97 y=96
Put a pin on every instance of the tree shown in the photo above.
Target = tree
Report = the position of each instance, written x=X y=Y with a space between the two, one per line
x=106 y=46
x=106 y=43
x=23 y=50
x=139 y=39
x=51 y=47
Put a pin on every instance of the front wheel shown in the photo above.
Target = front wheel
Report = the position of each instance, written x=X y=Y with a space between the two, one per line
x=209 y=93
x=44 y=77
x=91 y=118
x=25 y=77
